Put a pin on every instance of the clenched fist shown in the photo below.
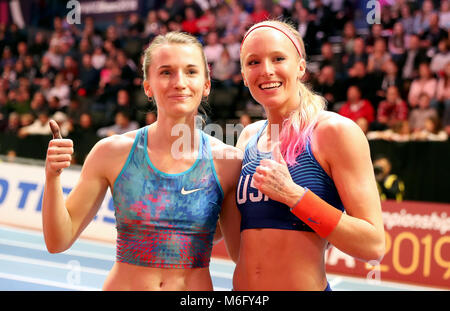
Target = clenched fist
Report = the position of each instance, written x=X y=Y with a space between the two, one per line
x=59 y=152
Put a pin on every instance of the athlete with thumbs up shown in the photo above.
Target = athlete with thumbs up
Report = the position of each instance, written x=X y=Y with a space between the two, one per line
x=168 y=202
x=306 y=178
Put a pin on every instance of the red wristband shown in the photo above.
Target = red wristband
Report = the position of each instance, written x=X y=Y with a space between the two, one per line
x=316 y=213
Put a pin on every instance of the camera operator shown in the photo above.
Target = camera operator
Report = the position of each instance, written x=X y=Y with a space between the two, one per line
x=389 y=185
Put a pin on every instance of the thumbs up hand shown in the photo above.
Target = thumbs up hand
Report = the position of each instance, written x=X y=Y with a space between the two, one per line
x=59 y=152
x=273 y=179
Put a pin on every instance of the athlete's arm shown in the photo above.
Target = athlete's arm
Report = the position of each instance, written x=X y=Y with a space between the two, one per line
x=228 y=160
x=63 y=221
x=344 y=147
x=218 y=236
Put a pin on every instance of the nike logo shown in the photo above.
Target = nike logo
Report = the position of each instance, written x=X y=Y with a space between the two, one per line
x=184 y=192
x=312 y=220
x=247 y=164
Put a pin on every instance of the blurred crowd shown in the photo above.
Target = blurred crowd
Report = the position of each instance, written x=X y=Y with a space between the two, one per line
x=392 y=78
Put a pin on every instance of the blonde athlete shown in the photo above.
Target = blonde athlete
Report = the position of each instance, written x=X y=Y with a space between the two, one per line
x=302 y=168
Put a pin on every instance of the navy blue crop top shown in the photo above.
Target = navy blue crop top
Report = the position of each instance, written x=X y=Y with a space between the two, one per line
x=259 y=211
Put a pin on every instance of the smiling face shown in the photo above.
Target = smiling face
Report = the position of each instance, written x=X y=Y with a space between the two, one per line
x=176 y=83
x=272 y=68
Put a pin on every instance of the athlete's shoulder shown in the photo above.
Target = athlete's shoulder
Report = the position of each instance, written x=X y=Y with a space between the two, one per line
x=335 y=132
x=220 y=150
x=248 y=132
x=113 y=146
x=330 y=124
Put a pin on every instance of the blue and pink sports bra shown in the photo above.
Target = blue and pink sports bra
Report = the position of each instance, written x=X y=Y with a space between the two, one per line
x=166 y=220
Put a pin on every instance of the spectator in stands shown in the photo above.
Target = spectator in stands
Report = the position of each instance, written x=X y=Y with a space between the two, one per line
x=378 y=58
x=441 y=58
x=98 y=59
x=123 y=103
x=423 y=111
x=323 y=18
x=407 y=19
x=259 y=12
x=31 y=70
x=120 y=25
x=434 y=33
x=122 y=124
x=39 y=45
x=390 y=78
x=224 y=69
x=70 y=71
x=192 y=4
x=390 y=186
x=13 y=125
x=358 y=54
x=415 y=55
x=432 y=131
x=376 y=32
x=54 y=56
x=233 y=46
x=348 y=37
x=366 y=82
x=356 y=107
x=127 y=68
x=213 y=48
x=45 y=71
x=189 y=24
x=7 y=57
x=84 y=135
x=329 y=87
x=422 y=18
x=240 y=19
x=152 y=24
x=172 y=8
x=397 y=43
x=330 y=58
x=206 y=22
x=38 y=102
x=443 y=89
x=19 y=101
x=10 y=135
x=444 y=14
x=61 y=90
x=22 y=51
x=425 y=83
x=392 y=110
x=9 y=74
x=307 y=29
x=40 y=126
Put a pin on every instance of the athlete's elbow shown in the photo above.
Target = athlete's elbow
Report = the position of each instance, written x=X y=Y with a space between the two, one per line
x=234 y=257
x=375 y=252
x=53 y=249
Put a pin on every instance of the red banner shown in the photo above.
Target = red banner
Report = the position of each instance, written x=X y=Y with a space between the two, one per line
x=417 y=247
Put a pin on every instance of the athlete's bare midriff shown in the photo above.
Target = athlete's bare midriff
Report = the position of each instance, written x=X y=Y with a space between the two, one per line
x=125 y=276
x=273 y=259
